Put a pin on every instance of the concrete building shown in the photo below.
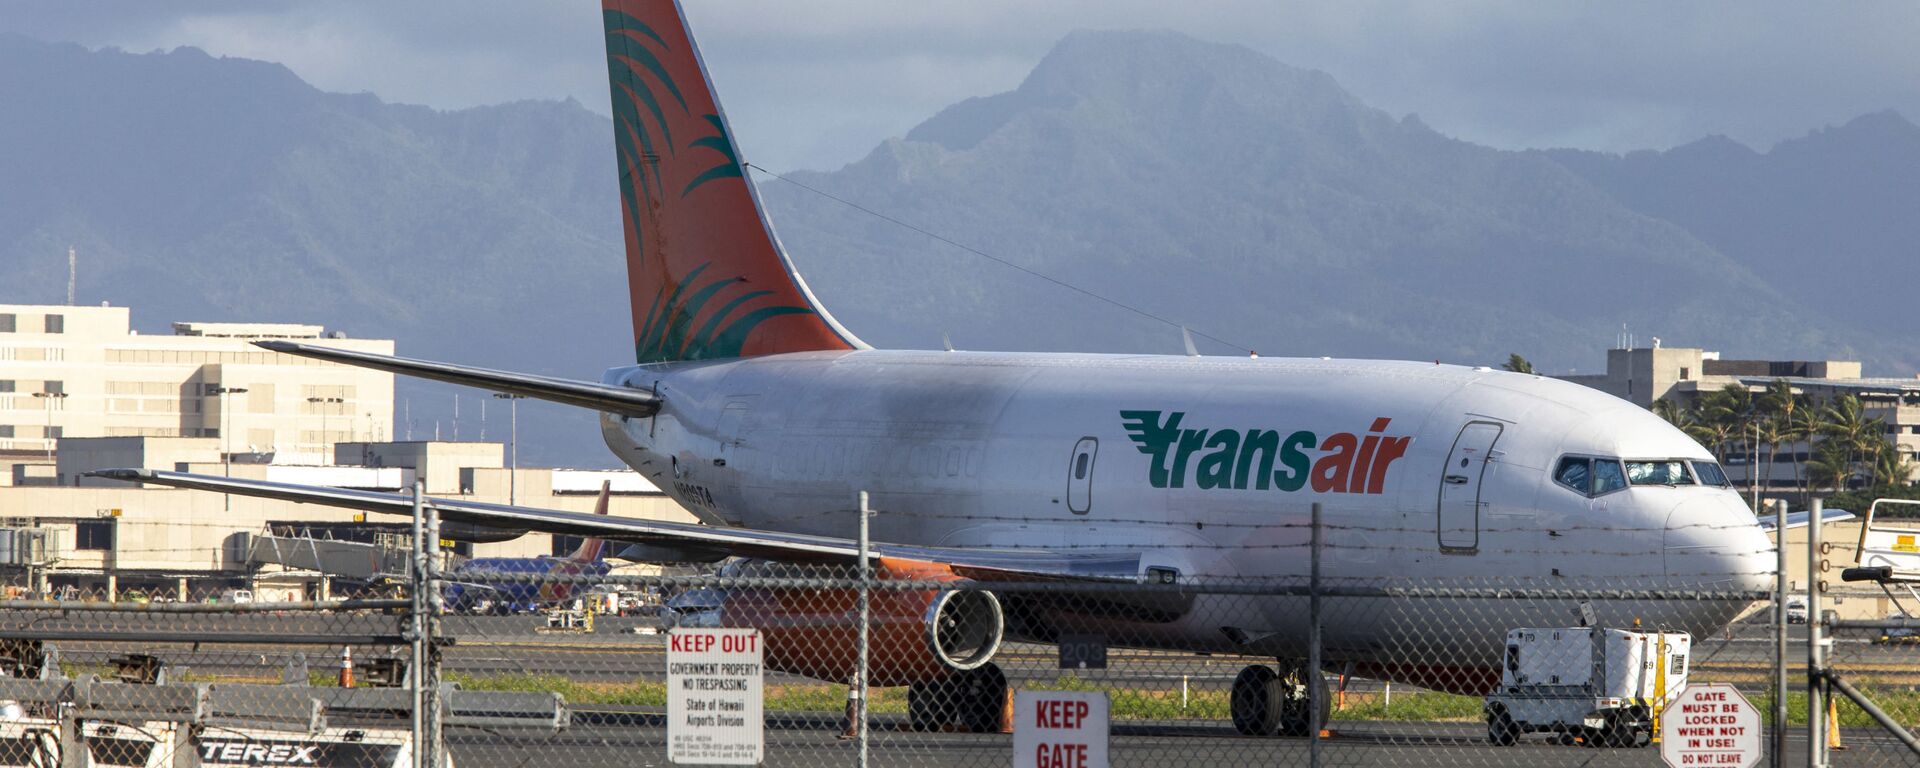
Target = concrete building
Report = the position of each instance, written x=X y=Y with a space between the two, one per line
x=84 y=372
x=106 y=537
x=1643 y=376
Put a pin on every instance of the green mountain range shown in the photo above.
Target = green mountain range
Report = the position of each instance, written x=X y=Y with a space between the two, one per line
x=1199 y=184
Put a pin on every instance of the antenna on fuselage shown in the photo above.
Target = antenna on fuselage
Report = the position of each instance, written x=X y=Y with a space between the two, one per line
x=946 y=341
x=1187 y=336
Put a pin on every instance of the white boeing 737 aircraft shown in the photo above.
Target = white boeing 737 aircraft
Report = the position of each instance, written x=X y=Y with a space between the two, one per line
x=751 y=406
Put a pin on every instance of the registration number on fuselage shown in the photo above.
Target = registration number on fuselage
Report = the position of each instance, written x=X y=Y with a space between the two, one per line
x=690 y=493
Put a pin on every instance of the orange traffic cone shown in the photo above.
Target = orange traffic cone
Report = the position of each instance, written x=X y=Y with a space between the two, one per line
x=1833 y=725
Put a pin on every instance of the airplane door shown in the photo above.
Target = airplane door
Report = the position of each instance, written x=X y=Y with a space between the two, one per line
x=1080 y=475
x=1459 y=509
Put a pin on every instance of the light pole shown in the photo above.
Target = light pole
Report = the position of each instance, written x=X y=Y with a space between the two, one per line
x=326 y=410
x=513 y=444
x=226 y=439
x=48 y=398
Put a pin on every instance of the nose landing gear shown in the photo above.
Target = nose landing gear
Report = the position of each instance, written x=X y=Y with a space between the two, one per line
x=1266 y=702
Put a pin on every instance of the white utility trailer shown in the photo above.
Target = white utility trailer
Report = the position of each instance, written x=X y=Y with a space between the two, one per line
x=1601 y=686
x=1888 y=554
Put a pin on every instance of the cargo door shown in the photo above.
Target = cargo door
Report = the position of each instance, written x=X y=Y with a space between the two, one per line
x=1080 y=475
x=1460 y=481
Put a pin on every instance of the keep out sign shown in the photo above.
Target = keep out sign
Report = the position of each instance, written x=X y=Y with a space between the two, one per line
x=714 y=700
x=1058 y=729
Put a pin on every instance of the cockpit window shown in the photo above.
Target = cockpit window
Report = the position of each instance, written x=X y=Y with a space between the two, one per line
x=1658 y=472
x=1588 y=476
x=1710 y=473
x=1607 y=477
x=1575 y=473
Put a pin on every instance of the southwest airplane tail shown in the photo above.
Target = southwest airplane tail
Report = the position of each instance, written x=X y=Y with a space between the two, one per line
x=706 y=275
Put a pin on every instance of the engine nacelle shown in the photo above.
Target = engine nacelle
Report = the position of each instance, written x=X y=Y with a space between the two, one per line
x=454 y=530
x=914 y=635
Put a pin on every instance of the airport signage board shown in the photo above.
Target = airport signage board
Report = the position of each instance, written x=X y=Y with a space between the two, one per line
x=714 y=689
x=1059 y=729
x=1710 y=724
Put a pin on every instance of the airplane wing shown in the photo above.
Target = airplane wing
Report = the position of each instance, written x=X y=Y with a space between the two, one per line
x=983 y=564
x=601 y=397
x=1799 y=519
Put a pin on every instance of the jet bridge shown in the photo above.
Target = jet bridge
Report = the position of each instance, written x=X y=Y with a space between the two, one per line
x=345 y=559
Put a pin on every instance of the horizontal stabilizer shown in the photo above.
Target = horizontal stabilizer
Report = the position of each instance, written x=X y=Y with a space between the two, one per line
x=600 y=397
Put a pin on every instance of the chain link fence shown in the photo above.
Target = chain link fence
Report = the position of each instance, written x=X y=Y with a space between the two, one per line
x=1191 y=671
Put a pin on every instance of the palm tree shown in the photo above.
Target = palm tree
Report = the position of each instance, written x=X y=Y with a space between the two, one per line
x=1730 y=412
x=1773 y=421
x=1803 y=427
x=1890 y=467
x=1846 y=421
x=1518 y=364
x=1721 y=414
x=1829 y=466
x=1684 y=418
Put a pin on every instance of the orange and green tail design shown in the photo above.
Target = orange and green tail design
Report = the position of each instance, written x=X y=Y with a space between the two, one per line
x=706 y=277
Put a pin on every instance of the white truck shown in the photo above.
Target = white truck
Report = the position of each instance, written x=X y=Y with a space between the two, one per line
x=1597 y=685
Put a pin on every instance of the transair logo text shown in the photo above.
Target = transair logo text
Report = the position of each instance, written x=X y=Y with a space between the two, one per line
x=1263 y=459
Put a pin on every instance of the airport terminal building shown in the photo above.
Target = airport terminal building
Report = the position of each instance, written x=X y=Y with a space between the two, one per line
x=80 y=390
x=84 y=372
x=1645 y=375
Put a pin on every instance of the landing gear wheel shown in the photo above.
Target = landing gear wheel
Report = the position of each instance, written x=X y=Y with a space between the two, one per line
x=1255 y=702
x=973 y=701
x=1501 y=731
x=1304 y=690
x=924 y=700
x=1264 y=703
x=983 y=698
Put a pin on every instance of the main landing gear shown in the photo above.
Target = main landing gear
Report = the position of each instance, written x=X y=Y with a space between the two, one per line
x=1270 y=703
x=972 y=701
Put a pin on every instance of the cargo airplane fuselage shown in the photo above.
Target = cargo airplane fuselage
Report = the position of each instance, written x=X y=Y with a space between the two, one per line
x=1206 y=469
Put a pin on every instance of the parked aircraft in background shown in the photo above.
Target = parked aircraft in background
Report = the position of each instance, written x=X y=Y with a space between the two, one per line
x=512 y=584
x=756 y=410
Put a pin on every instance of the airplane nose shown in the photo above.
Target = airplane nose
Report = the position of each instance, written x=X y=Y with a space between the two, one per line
x=1712 y=541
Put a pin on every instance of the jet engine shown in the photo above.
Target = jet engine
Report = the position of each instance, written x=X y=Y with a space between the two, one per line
x=456 y=530
x=915 y=635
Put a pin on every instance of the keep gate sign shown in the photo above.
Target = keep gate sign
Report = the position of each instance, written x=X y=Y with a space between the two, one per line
x=1057 y=729
x=1711 y=725
x=714 y=697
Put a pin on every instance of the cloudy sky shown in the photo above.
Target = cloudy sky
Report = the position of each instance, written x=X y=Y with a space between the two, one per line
x=816 y=84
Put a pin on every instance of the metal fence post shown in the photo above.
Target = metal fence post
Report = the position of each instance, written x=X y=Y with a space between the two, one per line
x=1314 y=692
x=860 y=673
x=73 y=745
x=416 y=628
x=430 y=645
x=1778 y=756
x=1816 y=661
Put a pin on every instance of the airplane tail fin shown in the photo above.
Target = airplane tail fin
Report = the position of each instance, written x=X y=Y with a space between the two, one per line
x=706 y=275
x=591 y=549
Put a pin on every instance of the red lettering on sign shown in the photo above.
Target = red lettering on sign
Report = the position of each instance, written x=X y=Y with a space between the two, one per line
x=687 y=643
x=1061 y=755
x=1060 y=714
